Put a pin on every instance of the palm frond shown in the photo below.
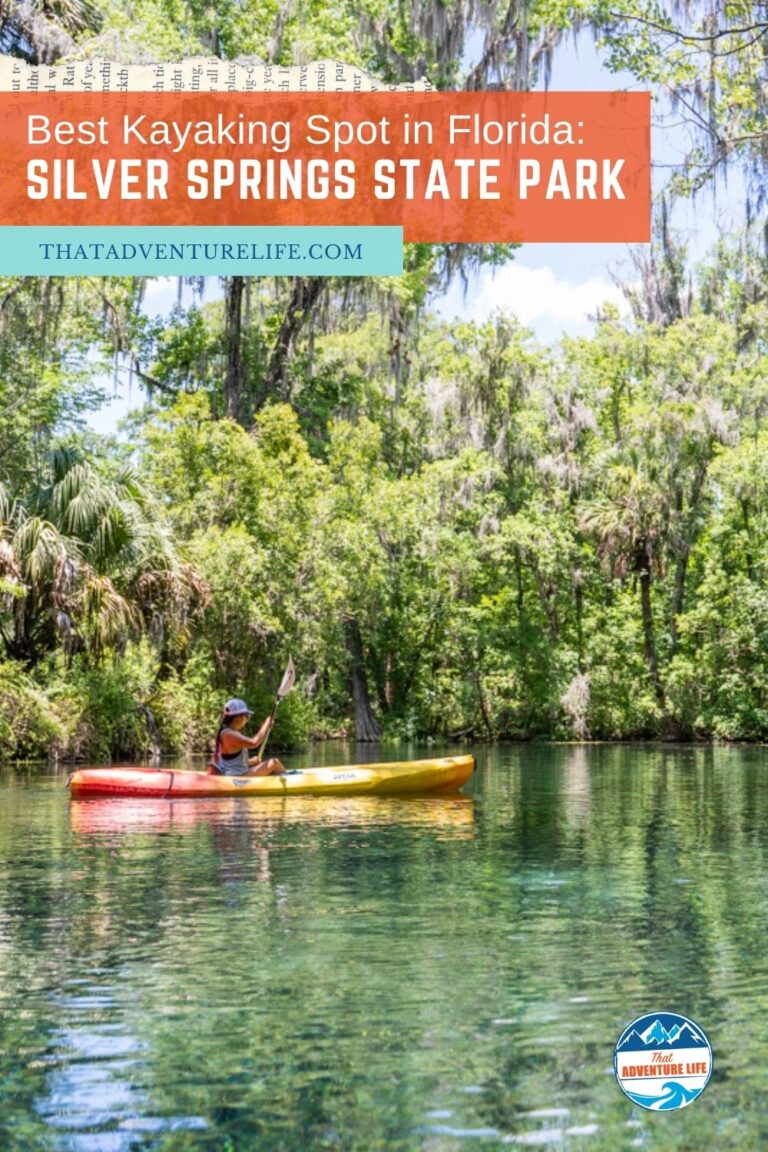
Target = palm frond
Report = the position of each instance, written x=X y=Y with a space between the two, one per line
x=107 y=615
x=40 y=549
x=9 y=566
x=10 y=509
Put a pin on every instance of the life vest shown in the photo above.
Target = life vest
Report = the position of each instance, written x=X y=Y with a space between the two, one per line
x=229 y=763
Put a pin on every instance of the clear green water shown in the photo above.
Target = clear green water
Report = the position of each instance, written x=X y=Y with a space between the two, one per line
x=431 y=975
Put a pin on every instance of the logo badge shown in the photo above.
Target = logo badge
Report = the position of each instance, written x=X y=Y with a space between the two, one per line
x=662 y=1061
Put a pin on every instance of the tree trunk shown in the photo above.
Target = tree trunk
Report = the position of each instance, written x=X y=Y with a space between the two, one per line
x=548 y=598
x=748 y=557
x=305 y=293
x=389 y=686
x=233 y=384
x=678 y=595
x=681 y=566
x=579 y=595
x=396 y=347
x=484 y=707
x=643 y=569
x=367 y=728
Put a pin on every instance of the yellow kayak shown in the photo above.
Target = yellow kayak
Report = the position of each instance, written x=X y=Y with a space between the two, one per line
x=446 y=774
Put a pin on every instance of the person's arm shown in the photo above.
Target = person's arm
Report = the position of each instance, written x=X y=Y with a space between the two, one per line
x=259 y=738
x=263 y=732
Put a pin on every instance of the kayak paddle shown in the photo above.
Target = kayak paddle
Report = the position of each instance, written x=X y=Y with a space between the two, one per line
x=286 y=684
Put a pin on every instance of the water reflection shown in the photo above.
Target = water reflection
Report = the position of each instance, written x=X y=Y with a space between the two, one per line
x=96 y=1096
x=452 y=816
x=576 y=790
x=91 y=1057
x=420 y=975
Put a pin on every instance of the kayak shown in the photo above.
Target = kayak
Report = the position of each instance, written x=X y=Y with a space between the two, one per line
x=446 y=774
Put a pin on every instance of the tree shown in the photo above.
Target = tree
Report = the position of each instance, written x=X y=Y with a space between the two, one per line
x=629 y=520
x=87 y=563
x=711 y=62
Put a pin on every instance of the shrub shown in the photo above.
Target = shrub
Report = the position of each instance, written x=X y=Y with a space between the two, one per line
x=30 y=726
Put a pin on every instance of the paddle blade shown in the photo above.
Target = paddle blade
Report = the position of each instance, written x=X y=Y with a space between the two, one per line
x=288 y=680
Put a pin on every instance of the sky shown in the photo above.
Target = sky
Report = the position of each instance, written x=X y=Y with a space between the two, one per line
x=553 y=289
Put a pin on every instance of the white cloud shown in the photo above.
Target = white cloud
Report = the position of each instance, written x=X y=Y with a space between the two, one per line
x=539 y=298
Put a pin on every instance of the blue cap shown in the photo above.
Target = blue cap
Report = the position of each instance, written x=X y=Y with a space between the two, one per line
x=237 y=708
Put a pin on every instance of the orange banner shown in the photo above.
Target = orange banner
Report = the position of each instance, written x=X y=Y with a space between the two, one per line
x=451 y=166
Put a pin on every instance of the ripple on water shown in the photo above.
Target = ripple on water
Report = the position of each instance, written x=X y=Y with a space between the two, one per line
x=546 y=1113
x=378 y=958
x=102 y=1045
x=163 y=1124
x=460 y=1133
x=543 y=1137
x=93 y=1063
x=100 y=1142
x=88 y=998
x=81 y=1096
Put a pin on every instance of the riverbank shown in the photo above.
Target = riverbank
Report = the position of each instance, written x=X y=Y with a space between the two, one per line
x=316 y=751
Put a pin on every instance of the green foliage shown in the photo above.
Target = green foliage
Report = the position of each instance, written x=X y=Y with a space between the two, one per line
x=621 y=702
x=297 y=718
x=175 y=709
x=496 y=541
x=104 y=705
x=719 y=680
x=528 y=542
x=707 y=65
x=30 y=727
x=88 y=560
x=395 y=41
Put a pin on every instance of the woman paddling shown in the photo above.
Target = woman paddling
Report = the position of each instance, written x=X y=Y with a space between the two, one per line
x=230 y=756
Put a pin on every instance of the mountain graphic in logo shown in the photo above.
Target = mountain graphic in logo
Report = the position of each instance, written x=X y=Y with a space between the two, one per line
x=660 y=1032
x=662 y=1061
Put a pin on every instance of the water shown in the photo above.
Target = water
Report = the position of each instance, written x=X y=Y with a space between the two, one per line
x=416 y=975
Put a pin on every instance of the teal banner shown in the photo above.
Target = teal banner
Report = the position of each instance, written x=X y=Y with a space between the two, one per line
x=203 y=251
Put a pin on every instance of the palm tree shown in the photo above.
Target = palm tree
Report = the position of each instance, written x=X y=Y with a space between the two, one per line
x=86 y=563
x=41 y=31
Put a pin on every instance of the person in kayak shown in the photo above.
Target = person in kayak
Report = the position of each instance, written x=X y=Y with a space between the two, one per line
x=230 y=756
